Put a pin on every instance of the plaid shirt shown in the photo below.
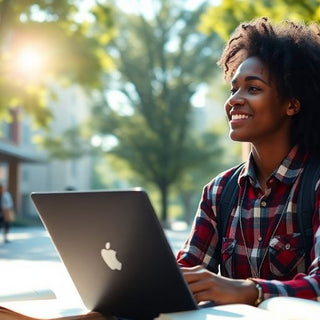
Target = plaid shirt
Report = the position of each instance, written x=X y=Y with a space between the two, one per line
x=262 y=237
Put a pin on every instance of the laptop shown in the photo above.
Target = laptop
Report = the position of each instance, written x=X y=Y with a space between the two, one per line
x=115 y=251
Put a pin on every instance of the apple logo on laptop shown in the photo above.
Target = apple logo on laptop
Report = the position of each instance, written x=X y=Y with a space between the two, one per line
x=109 y=257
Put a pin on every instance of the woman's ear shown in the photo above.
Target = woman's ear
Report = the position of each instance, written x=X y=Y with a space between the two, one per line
x=293 y=107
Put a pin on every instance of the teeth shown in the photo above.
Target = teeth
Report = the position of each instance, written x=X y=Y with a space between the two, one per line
x=239 y=116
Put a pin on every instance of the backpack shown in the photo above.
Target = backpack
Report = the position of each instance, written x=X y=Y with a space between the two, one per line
x=305 y=203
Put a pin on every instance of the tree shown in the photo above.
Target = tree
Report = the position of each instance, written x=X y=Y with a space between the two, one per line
x=224 y=17
x=41 y=42
x=200 y=174
x=161 y=60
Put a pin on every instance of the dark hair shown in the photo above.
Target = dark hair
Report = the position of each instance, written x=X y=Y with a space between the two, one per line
x=291 y=50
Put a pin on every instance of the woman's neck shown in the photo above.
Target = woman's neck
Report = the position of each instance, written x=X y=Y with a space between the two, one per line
x=267 y=159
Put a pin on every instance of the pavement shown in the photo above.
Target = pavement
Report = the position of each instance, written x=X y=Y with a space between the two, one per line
x=30 y=265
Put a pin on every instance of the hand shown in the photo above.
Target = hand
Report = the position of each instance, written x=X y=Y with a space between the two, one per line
x=208 y=286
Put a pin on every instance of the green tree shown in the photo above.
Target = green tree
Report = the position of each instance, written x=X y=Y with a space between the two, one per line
x=224 y=17
x=189 y=187
x=161 y=60
x=42 y=42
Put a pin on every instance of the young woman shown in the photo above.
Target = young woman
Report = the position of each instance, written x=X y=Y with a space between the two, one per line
x=274 y=71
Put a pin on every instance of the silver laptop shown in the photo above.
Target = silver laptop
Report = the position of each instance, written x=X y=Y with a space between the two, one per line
x=115 y=251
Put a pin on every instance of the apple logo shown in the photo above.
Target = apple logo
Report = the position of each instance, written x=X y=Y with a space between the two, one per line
x=109 y=257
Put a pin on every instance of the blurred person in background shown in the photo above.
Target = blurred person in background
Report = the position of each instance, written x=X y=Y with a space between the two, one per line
x=6 y=211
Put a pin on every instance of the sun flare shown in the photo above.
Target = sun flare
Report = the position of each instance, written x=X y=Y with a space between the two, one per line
x=30 y=61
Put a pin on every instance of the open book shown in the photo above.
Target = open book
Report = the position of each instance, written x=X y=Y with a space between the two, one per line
x=225 y=312
x=280 y=308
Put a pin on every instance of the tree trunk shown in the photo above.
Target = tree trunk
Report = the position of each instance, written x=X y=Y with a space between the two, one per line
x=164 y=205
x=189 y=212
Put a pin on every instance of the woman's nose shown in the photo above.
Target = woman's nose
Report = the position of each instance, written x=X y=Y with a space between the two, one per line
x=236 y=99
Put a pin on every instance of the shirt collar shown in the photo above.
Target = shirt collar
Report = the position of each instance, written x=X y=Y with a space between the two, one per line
x=287 y=172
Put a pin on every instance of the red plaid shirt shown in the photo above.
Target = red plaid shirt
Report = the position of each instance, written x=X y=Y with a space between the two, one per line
x=262 y=238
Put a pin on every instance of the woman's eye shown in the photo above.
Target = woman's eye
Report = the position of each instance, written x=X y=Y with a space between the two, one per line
x=254 y=89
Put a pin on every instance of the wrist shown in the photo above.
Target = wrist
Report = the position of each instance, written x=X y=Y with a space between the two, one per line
x=258 y=292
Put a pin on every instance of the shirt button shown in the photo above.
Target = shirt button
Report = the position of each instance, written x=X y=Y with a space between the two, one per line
x=263 y=203
x=260 y=239
x=287 y=246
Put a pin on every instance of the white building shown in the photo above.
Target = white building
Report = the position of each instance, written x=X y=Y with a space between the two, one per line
x=70 y=109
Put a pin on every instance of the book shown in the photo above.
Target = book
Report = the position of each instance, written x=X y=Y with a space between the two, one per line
x=292 y=308
x=227 y=312
x=277 y=308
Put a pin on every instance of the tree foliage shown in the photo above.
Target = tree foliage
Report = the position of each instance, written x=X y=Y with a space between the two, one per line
x=223 y=18
x=42 y=42
x=161 y=60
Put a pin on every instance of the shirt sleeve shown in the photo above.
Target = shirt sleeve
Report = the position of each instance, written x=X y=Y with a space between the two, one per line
x=200 y=246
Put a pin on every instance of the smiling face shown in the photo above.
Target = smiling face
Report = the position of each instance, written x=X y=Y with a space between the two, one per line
x=255 y=111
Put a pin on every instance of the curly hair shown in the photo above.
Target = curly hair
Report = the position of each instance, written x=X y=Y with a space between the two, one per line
x=291 y=51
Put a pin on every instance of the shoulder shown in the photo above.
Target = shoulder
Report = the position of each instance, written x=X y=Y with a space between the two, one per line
x=215 y=187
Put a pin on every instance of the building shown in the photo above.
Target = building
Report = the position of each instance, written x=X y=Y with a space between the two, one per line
x=12 y=155
x=26 y=168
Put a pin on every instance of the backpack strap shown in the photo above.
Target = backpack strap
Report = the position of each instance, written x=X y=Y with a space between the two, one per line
x=306 y=202
x=227 y=201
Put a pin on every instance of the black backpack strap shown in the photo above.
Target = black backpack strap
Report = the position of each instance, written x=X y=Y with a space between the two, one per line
x=227 y=201
x=305 y=203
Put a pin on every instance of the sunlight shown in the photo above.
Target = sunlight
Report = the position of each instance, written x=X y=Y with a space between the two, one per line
x=30 y=61
x=106 y=142
x=199 y=99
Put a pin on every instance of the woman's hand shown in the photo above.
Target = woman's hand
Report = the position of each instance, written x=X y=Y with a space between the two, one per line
x=208 y=286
